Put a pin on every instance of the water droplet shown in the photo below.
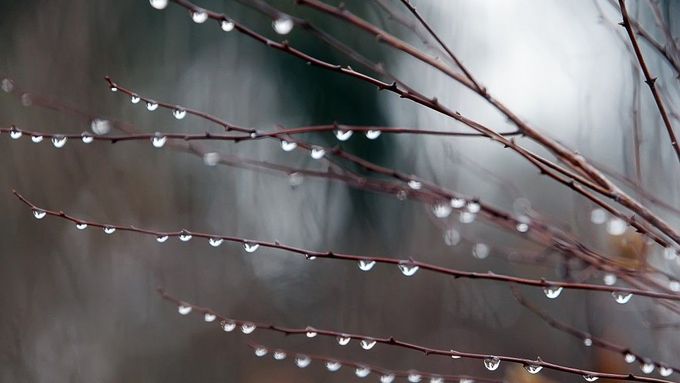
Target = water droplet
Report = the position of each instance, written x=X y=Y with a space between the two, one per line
x=522 y=227
x=332 y=365
x=59 y=141
x=552 y=292
x=279 y=355
x=665 y=371
x=609 y=279
x=454 y=355
x=184 y=309
x=295 y=179
x=7 y=85
x=184 y=236
x=81 y=226
x=135 y=99
x=590 y=378
x=113 y=88
x=480 y=250
x=250 y=247
x=26 y=99
x=441 y=210
x=367 y=344
x=288 y=146
x=159 y=4
x=151 y=105
x=211 y=159
x=86 y=137
x=227 y=25
x=386 y=378
x=228 y=325
x=343 y=135
x=647 y=367
x=670 y=253
x=362 y=371
x=414 y=377
x=214 y=242
x=414 y=184
x=302 y=361
x=36 y=139
x=436 y=379
x=209 y=317
x=451 y=237
x=310 y=257
x=260 y=351
x=373 y=134
x=161 y=238
x=343 y=340
x=15 y=133
x=100 y=126
x=621 y=297
x=158 y=140
x=457 y=203
x=283 y=25
x=311 y=333
x=179 y=113
x=109 y=229
x=317 y=152
x=674 y=286
x=466 y=217
x=199 y=16
x=616 y=226
x=492 y=363
x=533 y=368
x=401 y=195
x=39 y=214
x=408 y=269
x=629 y=358
x=247 y=328
x=598 y=216
x=473 y=207
x=366 y=264
x=587 y=342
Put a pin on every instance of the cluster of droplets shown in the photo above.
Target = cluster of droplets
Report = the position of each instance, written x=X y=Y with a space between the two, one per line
x=615 y=225
x=58 y=140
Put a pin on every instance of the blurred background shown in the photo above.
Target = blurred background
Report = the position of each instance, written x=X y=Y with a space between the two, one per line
x=81 y=305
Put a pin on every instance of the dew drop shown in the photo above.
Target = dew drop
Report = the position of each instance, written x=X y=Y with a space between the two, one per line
x=362 y=371
x=414 y=377
x=616 y=226
x=473 y=207
x=100 y=126
x=184 y=309
x=366 y=264
x=228 y=325
x=441 y=210
x=227 y=25
x=184 y=236
x=665 y=371
x=310 y=257
x=590 y=378
x=647 y=367
x=629 y=358
x=214 y=242
x=466 y=217
x=587 y=342
x=113 y=88
x=674 y=286
x=179 y=113
x=86 y=137
x=451 y=237
x=343 y=135
x=480 y=250
x=260 y=351
x=457 y=203
x=26 y=99
x=414 y=184
x=39 y=214
x=247 y=328
x=161 y=238
x=135 y=99
x=250 y=247
x=373 y=134
x=621 y=297
x=367 y=344
x=199 y=16
x=343 y=340
x=401 y=195
x=283 y=25
x=209 y=317
x=552 y=292
x=609 y=279
x=81 y=225
x=288 y=146
x=436 y=379
x=332 y=365
x=533 y=368
x=387 y=378
x=211 y=159
x=295 y=179
x=15 y=133
x=159 y=4
x=522 y=227
x=158 y=140
x=598 y=216
x=7 y=85
x=311 y=333
x=279 y=355
x=151 y=106
x=302 y=361
x=492 y=364
x=408 y=269
x=109 y=229
x=36 y=139
x=59 y=141
x=317 y=152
